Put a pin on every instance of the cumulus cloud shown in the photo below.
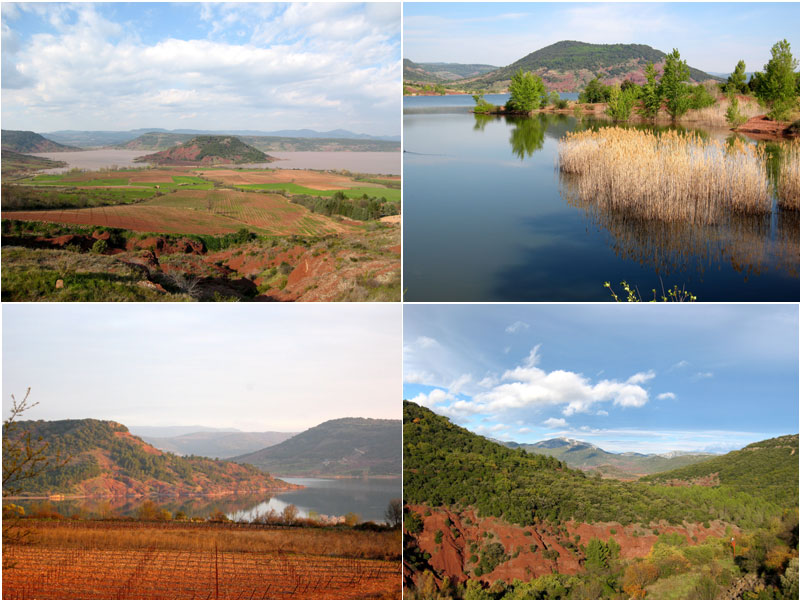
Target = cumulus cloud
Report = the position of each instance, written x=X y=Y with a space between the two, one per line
x=343 y=73
x=666 y=396
x=554 y=423
x=528 y=386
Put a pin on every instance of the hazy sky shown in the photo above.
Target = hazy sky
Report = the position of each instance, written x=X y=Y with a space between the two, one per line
x=649 y=378
x=710 y=36
x=205 y=66
x=283 y=367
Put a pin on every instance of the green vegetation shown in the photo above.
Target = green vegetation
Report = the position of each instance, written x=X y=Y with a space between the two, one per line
x=217 y=148
x=359 y=209
x=732 y=113
x=446 y=465
x=594 y=92
x=620 y=102
x=778 y=86
x=387 y=194
x=527 y=92
x=650 y=94
x=673 y=87
x=28 y=141
x=24 y=197
x=15 y=164
x=737 y=81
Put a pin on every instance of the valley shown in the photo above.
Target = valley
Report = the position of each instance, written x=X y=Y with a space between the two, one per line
x=196 y=230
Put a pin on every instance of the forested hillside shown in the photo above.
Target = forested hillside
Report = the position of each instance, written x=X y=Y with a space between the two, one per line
x=447 y=465
x=102 y=457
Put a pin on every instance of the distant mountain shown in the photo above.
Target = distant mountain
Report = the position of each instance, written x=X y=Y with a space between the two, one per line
x=439 y=72
x=15 y=163
x=105 y=459
x=586 y=456
x=175 y=430
x=350 y=446
x=96 y=139
x=218 y=444
x=28 y=141
x=208 y=150
x=766 y=469
x=567 y=66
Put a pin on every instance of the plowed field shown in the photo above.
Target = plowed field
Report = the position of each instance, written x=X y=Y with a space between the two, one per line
x=47 y=573
x=313 y=179
x=198 y=212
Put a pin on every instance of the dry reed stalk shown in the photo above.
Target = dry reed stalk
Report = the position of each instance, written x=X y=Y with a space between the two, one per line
x=671 y=176
x=789 y=177
x=715 y=115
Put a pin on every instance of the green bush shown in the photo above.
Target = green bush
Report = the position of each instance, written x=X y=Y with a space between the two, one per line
x=100 y=247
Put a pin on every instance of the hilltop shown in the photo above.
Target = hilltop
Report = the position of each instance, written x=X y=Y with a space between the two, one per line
x=208 y=150
x=105 y=459
x=28 y=141
x=567 y=66
x=217 y=444
x=340 y=447
x=588 y=457
x=766 y=469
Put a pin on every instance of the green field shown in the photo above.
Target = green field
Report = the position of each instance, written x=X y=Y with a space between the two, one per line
x=184 y=182
x=293 y=188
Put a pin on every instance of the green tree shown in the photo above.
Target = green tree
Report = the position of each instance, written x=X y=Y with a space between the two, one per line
x=650 y=94
x=594 y=92
x=778 y=88
x=737 y=81
x=526 y=91
x=732 y=114
x=620 y=103
x=597 y=554
x=673 y=85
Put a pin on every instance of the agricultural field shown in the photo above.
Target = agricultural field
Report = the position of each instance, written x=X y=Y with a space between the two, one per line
x=131 y=560
x=180 y=231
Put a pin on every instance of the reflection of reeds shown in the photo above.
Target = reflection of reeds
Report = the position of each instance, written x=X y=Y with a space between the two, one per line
x=674 y=247
x=671 y=176
x=789 y=177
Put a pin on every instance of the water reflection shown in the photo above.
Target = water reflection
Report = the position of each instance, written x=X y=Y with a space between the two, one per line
x=527 y=136
x=750 y=244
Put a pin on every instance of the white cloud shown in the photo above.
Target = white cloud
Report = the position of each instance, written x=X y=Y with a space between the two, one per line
x=529 y=386
x=554 y=423
x=517 y=326
x=666 y=396
x=93 y=72
x=703 y=375
x=602 y=413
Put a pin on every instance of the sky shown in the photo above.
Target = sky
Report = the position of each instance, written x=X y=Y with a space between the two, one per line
x=265 y=66
x=283 y=367
x=649 y=378
x=710 y=36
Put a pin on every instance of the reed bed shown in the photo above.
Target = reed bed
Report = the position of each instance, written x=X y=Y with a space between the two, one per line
x=671 y=176
x=789 y=177
x=716 y=114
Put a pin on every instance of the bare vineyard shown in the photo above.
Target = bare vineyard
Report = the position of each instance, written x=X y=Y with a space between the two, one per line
x=44 y=573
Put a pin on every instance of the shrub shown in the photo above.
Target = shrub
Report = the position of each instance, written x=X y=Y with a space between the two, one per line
x=100 y=247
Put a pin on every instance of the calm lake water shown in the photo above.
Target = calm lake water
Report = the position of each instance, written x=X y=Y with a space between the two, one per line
x=487 y=217
x=386 y=163
x=368 y=498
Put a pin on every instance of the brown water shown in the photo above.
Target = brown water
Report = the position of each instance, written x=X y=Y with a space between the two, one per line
x=361 y=162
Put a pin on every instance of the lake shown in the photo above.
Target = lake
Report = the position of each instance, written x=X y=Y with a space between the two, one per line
x=487 y=217
x=386 y=163
x=368 y=498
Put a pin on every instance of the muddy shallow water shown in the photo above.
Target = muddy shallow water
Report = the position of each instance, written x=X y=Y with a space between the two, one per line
x=362 y=162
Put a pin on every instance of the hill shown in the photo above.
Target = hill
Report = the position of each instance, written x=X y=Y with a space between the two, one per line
x=766 y=469
x=218 y=444
x=208 y=150
x=444 y=464
x=28 y=141
x=343 y=447
x=439 y=72
x=162 y=140
x=15 y=163
x=106 y=460
x=568 y=66
x=588 y=457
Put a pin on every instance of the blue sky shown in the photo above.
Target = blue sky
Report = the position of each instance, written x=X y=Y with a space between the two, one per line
x=710 y=36
x=261 y=66
x=647 y=378
x=283 y=367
